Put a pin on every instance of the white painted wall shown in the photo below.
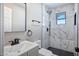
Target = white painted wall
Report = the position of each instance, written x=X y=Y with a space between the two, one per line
x=34 y=13
x=38 y=11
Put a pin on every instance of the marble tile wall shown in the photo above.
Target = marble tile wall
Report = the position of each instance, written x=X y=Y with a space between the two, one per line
x=62 y=36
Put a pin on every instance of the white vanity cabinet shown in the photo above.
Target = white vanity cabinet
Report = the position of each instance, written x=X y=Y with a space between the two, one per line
x=34 y=51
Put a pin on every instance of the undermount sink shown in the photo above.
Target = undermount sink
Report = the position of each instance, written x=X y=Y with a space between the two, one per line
x=19 y=49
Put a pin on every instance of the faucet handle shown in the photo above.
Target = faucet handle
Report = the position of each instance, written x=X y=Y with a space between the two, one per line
x=16 y=40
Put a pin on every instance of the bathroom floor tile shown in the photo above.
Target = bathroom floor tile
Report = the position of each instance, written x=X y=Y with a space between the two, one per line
x=60 y=52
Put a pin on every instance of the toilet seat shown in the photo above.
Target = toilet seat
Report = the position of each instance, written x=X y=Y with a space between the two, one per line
x=45 y=52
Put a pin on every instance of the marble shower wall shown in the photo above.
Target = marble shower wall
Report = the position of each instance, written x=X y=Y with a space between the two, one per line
x=62 y=36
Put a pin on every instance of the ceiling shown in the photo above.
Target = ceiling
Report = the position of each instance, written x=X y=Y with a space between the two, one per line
x=54 y=5
x=48 y=5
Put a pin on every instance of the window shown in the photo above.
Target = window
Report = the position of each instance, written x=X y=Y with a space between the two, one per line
x=61 y=18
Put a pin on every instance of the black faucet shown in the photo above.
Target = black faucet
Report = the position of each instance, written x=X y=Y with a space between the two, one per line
x=16 y=41
x=12 y=42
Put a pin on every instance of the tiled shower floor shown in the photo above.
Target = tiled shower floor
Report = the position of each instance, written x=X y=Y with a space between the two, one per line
x=60 y=52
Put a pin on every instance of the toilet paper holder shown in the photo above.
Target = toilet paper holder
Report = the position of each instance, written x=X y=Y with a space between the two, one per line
x=29 y=33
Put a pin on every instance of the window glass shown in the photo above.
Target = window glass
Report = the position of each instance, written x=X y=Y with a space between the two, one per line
x=61 y=17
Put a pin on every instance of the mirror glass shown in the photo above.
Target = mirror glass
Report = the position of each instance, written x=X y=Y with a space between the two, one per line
x=14 y=17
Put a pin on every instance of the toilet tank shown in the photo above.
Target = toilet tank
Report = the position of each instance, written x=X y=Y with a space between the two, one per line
x=38 y=42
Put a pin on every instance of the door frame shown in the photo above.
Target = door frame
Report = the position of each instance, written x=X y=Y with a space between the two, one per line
x=77 y=21
x=1 y=29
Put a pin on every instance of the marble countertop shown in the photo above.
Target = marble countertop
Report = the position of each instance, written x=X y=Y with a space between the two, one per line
x=19 y=49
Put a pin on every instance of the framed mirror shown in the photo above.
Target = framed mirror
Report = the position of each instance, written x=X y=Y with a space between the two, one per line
x=14 y=17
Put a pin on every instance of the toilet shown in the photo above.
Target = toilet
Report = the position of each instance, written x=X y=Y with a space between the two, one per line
x=43 y=51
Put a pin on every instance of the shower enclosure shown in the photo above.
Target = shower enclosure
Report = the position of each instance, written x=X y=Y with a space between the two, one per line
x=64 y=30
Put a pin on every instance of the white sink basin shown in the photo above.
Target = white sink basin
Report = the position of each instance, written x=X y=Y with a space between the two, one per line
x=19 y=49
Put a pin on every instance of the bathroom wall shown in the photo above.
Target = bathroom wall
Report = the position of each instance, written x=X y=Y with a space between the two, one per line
x=62 y=36
x=38 y=11
x=12 y=35
x=34 y=12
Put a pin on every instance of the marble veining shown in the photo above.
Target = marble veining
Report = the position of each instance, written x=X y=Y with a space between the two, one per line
x=62 y=36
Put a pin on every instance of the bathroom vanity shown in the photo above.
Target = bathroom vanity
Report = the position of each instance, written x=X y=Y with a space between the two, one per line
x=24 y=48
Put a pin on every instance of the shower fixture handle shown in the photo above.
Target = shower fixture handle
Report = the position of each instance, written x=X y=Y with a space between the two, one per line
x=76 y=49
x=75 y=19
